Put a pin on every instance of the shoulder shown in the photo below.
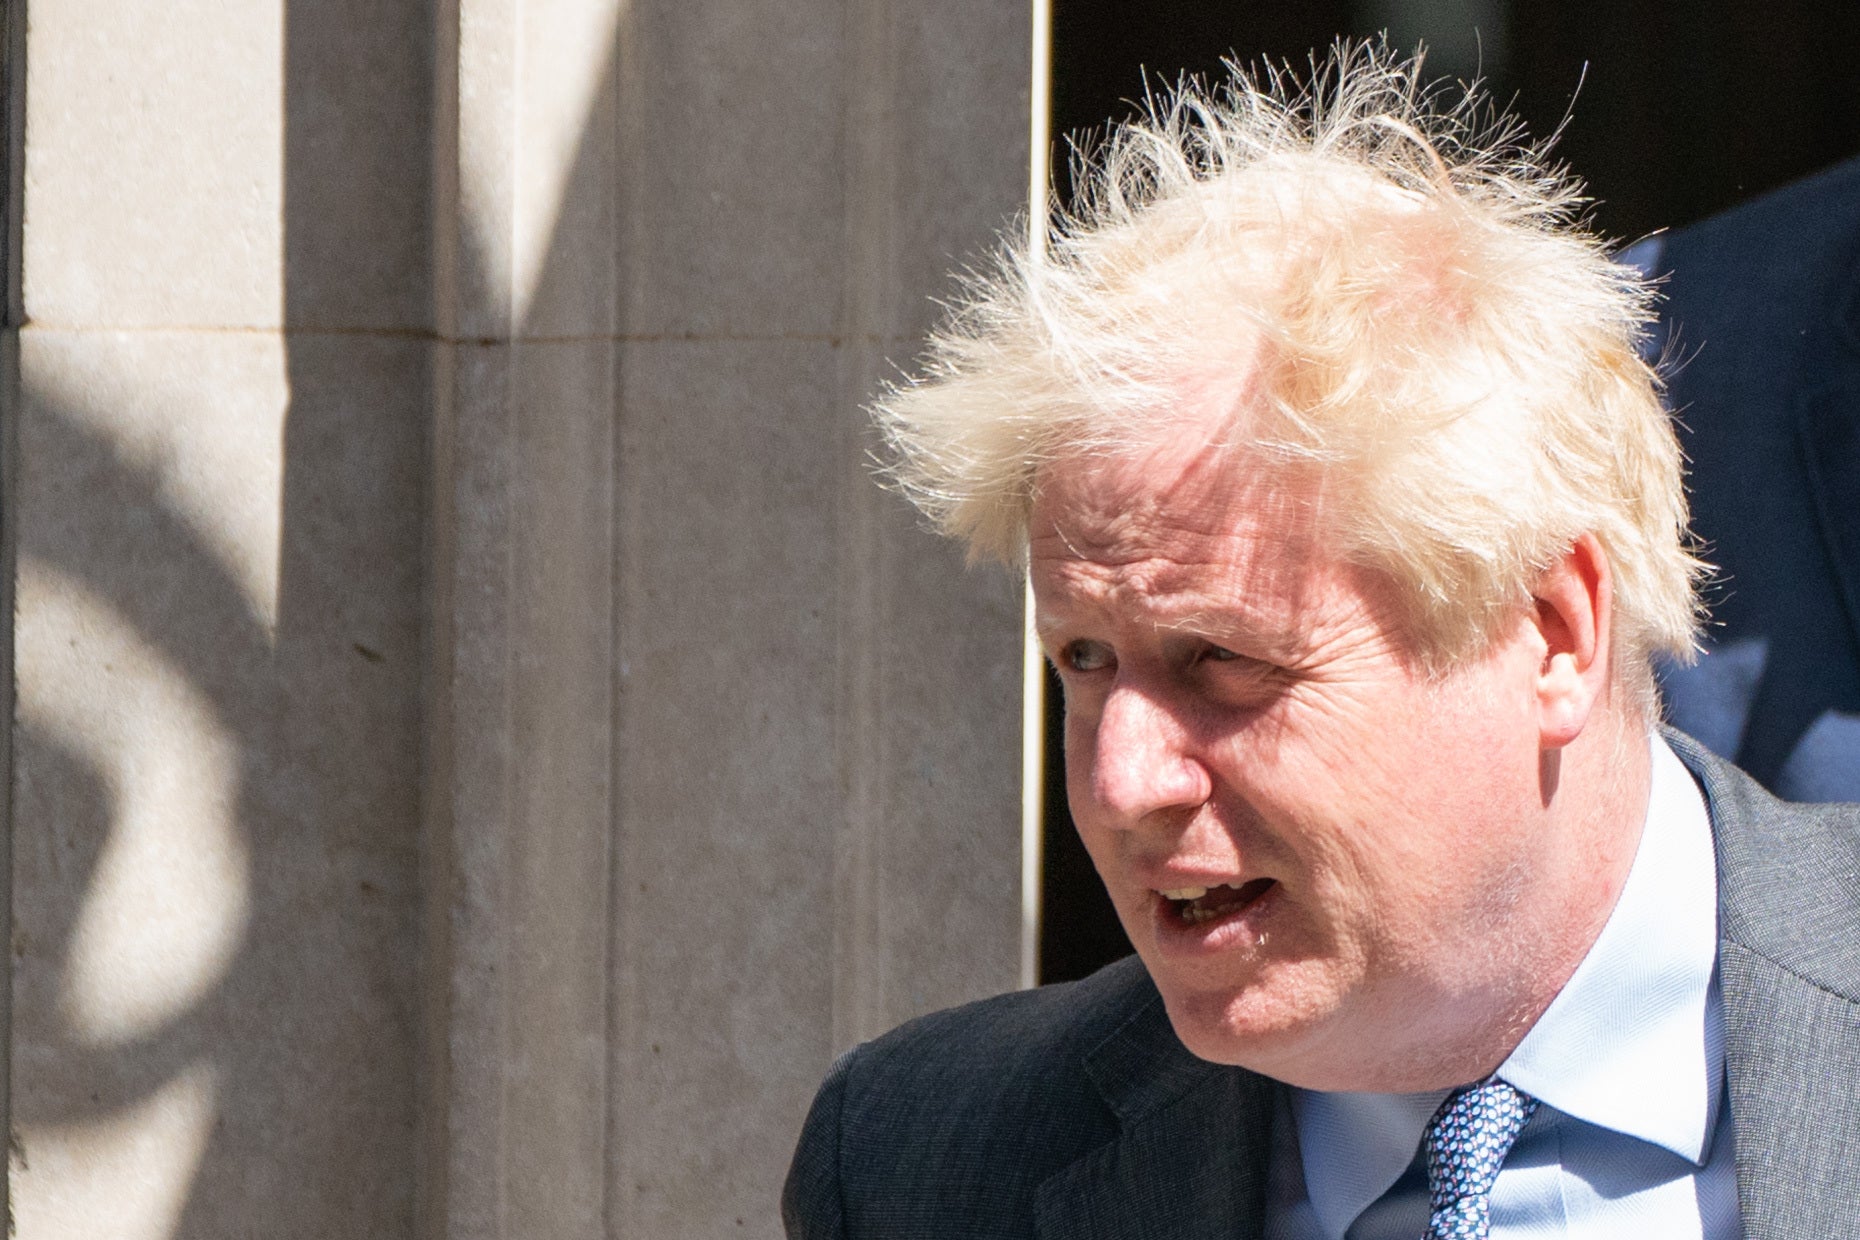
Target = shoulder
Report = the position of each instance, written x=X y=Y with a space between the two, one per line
x=1045 y=1034
x=947 y=1125
x=1756 y=285
x=1795 y=228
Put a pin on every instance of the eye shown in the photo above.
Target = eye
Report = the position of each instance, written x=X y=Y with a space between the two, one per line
x=1085 y=656
x=1234 y=677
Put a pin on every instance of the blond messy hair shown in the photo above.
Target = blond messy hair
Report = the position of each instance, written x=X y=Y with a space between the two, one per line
x=1351 y=275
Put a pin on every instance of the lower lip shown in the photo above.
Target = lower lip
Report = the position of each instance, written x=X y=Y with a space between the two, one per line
x=1244 y=926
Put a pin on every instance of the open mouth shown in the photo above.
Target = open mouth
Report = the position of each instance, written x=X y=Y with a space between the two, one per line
x=1194 y=906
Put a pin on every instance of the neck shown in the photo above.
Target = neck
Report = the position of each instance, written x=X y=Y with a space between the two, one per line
x=1595 y=795
x=1591 y=810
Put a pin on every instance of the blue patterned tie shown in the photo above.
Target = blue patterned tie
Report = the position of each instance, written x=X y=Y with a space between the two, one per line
x=1467 y=1141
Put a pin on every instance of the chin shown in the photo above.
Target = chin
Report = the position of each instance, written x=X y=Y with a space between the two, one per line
x=1253 y=1028
x=1299 y=1040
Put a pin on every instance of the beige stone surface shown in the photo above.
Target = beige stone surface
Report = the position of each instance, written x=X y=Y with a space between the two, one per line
x=357 y=159
x=943 y=920
x=216 y=765
x=217 y=759
x=475 y=151
x=733 y=128
x=817 y=783
x=564 y=179
x=526 y=203
x=958 y=78
x=929 y=882
x=733 y=774
x=483 y=741
x=520 y=823
x=817 y=778
x=520 y=807
x=202 y=163
x=154 y=178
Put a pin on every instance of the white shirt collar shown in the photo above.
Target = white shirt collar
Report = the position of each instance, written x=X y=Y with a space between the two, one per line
x=1632 y=1043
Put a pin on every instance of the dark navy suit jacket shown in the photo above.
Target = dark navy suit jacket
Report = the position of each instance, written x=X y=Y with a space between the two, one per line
x=1761 y=328
x=1074 y=1113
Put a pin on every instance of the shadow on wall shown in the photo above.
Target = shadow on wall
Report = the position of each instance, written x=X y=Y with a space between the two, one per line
x=218 y=995
x=217 y=754
x=214 y=832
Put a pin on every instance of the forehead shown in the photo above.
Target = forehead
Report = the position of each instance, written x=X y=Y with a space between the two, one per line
x=1176 y=531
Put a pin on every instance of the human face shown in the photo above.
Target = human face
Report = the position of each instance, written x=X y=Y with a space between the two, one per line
x=1243 y=716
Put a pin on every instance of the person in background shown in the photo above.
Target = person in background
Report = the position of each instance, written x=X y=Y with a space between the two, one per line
x=1761 y=332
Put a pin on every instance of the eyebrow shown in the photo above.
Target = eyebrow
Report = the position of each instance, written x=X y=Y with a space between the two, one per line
x=1206 y=619
x=1202 y=621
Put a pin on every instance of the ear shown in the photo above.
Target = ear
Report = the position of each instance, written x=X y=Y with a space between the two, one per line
x=1574 y=604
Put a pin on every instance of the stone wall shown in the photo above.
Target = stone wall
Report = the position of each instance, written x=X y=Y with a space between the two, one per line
x=482 y=742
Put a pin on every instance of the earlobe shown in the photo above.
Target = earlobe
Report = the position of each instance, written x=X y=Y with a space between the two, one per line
x=1574 y=600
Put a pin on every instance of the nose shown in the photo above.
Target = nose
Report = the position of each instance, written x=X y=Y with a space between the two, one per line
x=1142 y=759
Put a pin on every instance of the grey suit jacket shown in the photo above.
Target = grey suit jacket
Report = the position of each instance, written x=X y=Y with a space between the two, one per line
x=1074 y=1112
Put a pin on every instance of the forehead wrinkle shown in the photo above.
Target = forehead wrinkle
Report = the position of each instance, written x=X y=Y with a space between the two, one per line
x=1191 y=479
x=1229 y=590
x=1182 y=537
x=1120 y=527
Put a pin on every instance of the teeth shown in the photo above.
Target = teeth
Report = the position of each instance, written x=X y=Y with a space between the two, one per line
x=1195 y=893
x=1191 y=910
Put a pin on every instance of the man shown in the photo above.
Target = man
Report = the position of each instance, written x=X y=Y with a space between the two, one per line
x=1762 y=313
x=1354 y=524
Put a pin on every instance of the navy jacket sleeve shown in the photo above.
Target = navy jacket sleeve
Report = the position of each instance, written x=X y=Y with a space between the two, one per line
x=811 y=1208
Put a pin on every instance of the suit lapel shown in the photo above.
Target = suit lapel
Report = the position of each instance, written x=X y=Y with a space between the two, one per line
x=1191 y=1155
x=1792 y=1051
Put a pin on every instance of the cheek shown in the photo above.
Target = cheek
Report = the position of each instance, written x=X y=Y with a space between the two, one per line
x=1080 y=748
x=1402 y=821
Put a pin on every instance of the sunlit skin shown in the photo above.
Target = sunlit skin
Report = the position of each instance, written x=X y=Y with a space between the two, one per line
x=1423 y=860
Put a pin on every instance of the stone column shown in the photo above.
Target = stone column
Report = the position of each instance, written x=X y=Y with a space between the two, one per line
x=216 y=504
x=521 y=693
x=726 y=759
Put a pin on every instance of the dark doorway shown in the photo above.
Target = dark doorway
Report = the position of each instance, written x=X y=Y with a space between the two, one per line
x=1670 y=112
